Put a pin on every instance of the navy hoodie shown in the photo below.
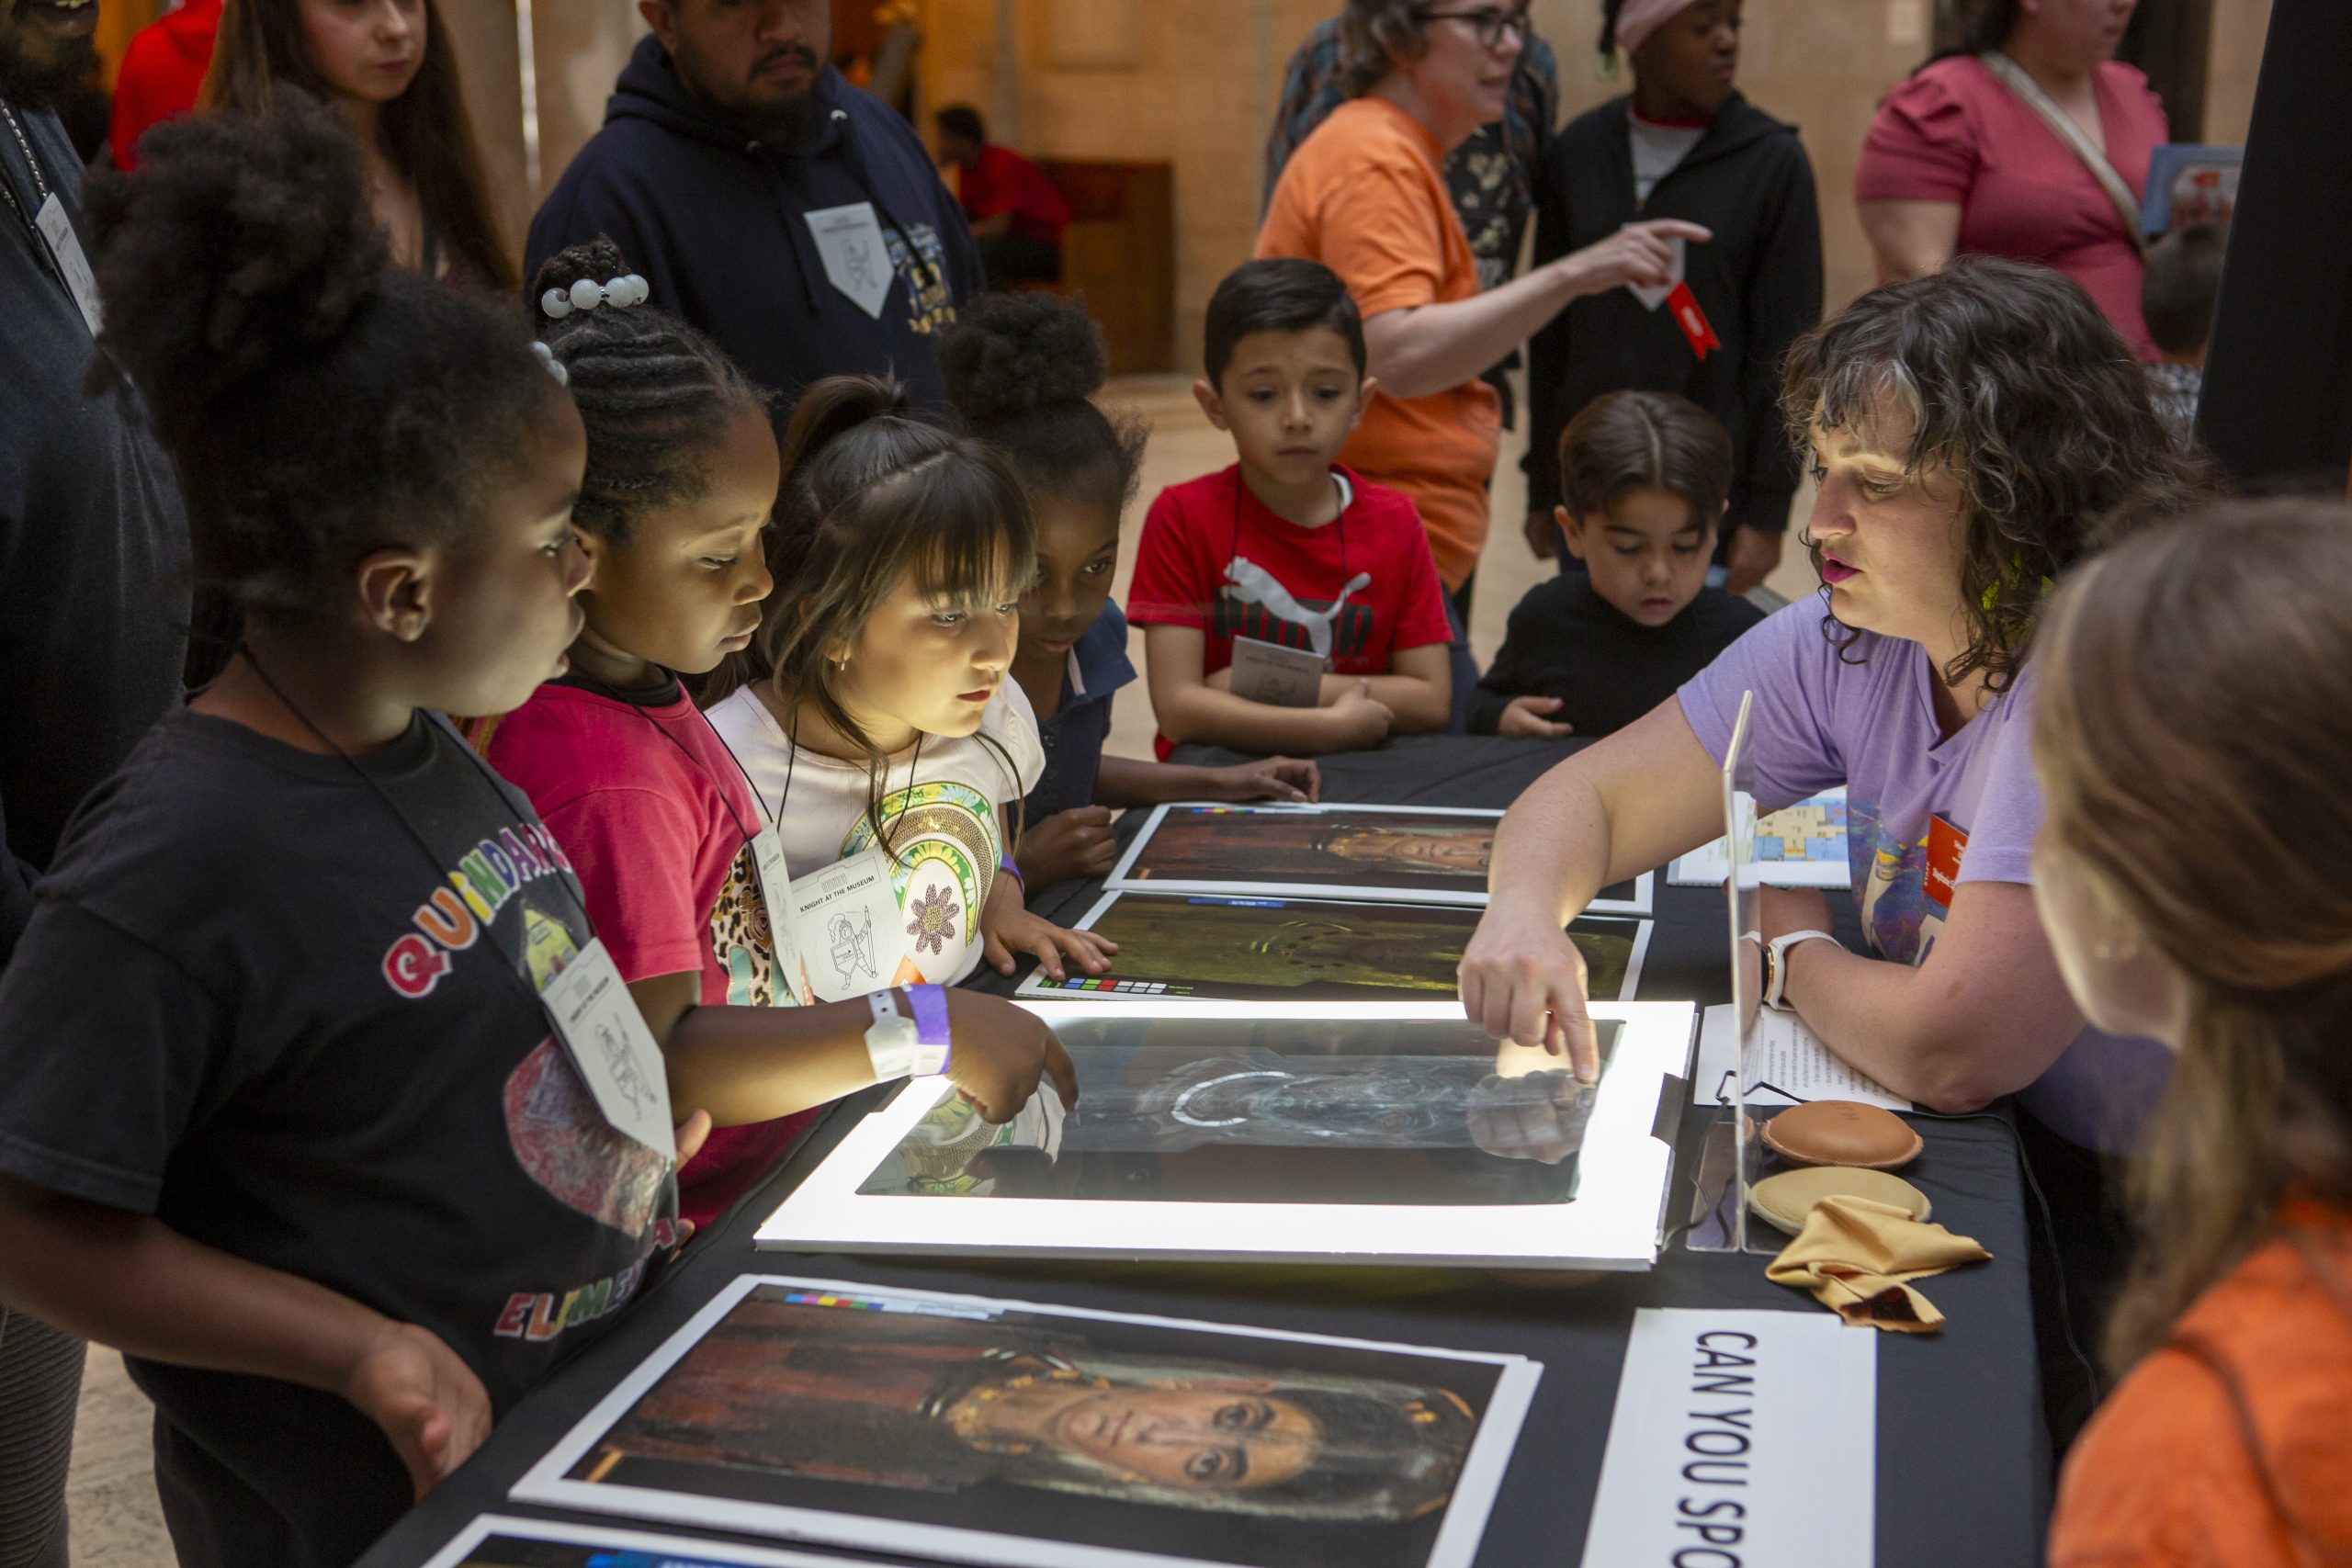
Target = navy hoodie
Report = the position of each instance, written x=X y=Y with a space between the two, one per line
x=1759 y=282
x=716 y=222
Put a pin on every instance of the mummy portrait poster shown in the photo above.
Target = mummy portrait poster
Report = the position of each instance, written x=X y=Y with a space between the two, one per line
x=987 y=1432
x=1311 y=949
x=1429 y=854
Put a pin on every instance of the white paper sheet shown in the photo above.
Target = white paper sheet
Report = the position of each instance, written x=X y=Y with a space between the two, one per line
x=1746 y=1438
x=1785 y=1057
x=1804 y=846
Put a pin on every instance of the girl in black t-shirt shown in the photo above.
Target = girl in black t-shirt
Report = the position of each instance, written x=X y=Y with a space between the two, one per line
x=285 y=1119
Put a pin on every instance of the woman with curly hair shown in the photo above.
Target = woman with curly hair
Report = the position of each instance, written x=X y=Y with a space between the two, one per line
x=390 y=68
x=1971 y=433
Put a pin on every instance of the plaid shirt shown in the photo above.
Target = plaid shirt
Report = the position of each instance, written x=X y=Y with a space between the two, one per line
x=1492 y=176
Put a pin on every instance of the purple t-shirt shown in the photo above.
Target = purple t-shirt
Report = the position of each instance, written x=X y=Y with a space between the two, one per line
x=1868 y=721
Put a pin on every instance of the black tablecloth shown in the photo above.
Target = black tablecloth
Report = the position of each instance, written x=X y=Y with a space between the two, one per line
x=1962 y=1461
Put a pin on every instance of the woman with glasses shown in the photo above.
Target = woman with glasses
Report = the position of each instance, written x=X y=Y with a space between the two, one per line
x=1366 y=196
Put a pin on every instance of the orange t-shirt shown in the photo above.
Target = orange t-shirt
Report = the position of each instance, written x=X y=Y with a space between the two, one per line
x=1365 y=196
x=2162 y=1477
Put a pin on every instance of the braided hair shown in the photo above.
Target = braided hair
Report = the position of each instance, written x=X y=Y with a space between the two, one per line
x=318 y=402
x=654 y=394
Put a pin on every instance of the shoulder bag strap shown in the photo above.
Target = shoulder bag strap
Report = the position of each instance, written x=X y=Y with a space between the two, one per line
x=2206 y=1355
x=2014 y=77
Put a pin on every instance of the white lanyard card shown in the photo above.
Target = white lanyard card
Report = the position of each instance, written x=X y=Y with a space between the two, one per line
x=606 y=1038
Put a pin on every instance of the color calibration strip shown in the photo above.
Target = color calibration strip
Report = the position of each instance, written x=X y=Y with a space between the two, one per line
x=1108 y=985
x=873 y=1303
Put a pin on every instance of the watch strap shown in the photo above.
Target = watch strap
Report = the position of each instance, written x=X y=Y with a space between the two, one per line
x=1776 y=964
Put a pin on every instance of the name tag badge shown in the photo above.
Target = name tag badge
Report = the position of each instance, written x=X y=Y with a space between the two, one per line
x=1946 y=846
x=856 y=259
x=1282 y=677
x=846 y=920
x=65 y=249
x=776 y=897
x=1652 y=298
x=605 y=1036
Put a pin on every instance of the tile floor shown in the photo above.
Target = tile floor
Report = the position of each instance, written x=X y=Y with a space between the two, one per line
x=115 y=1522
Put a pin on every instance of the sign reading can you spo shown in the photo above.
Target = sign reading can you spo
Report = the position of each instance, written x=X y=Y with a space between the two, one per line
x=1741 y=1439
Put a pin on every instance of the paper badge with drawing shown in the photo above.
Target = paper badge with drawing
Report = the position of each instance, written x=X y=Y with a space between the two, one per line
x=904 y=911
x=1283 y=646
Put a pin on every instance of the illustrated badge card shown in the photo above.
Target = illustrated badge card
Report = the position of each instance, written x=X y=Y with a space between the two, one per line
x=970 y=1429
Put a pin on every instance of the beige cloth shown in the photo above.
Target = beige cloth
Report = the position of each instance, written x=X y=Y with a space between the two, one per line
x=1858 y=1256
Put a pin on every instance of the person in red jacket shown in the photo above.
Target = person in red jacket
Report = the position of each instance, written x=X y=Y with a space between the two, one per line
x=161 y=72
x=1016 y=214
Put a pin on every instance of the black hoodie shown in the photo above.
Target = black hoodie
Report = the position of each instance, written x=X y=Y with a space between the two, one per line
x=1748 y=181
x=716 y=222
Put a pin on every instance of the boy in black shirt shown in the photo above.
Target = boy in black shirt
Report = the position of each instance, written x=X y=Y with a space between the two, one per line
x=1645 y=476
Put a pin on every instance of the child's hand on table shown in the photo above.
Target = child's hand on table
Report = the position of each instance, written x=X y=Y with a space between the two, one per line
x=1524 y=715
x=1007 y=928
x=1357 y=720
x=1284 y=779
x=1073 y=843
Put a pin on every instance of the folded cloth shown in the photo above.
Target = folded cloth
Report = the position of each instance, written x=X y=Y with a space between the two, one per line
x=1856 y=1256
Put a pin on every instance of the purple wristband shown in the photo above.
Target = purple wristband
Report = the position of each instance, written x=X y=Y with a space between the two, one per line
x=930 y=1005
x=1005 y=863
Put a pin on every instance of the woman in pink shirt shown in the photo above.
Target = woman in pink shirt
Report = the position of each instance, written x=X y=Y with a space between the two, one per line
x=1958 y=161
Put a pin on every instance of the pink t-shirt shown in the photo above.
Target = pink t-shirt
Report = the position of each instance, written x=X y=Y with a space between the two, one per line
x=656 y=827
x=1954 y=132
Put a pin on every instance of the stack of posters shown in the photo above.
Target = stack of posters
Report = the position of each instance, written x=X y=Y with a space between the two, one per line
x=971 y=1430
x=1319 y=903
x=1390 y=1133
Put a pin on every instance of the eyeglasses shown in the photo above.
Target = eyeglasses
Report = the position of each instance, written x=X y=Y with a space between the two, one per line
x=1488 y=22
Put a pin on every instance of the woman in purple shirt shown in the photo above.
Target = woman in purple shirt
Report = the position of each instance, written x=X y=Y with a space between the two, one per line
x=1968 y=432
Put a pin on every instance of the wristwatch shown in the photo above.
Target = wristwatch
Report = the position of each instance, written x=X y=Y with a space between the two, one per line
x=1776 y=964
x=900 y=1047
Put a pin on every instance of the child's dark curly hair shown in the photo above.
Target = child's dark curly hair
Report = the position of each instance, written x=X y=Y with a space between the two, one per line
x=1022 y=370
x=654 y=394
x=318 y=402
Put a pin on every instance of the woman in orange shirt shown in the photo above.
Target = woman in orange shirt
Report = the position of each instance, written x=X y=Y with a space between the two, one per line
x=1365 y=195
x=2195 y=873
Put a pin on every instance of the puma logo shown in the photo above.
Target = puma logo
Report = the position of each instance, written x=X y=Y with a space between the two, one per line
x=1253 y=584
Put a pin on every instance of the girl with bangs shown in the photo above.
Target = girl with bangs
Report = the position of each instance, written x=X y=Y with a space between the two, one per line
x=1971 y=434
x=873 y=713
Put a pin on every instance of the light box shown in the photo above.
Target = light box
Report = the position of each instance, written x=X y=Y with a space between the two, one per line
x=1294 y=1133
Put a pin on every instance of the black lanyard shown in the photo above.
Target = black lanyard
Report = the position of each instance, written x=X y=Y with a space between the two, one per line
x=41 y=190
x=515 y=963
x=1344 y=492
x=602 y=689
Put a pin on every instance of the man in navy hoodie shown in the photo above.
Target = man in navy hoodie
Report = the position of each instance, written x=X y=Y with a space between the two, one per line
x=795 y=218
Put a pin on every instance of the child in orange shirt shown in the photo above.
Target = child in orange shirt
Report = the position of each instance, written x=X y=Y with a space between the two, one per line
x=2192 y=871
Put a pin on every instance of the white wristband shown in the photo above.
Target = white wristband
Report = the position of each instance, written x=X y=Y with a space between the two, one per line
x=893 y=1042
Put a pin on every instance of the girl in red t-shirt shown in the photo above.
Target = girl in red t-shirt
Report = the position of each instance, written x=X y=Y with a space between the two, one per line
x=653 y=811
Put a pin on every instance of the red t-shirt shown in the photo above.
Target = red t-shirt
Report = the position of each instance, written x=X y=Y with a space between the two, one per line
x=163 y=71
x=1954 y=132
x=656 y=829
x=1196 y=530
x=1001 y=180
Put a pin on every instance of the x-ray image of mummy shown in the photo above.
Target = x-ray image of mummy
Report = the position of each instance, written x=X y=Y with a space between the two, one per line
x=1261 y=1098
